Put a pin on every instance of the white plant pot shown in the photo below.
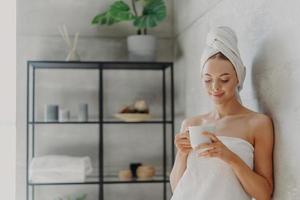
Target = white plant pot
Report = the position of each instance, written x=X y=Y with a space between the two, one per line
x=142 y=47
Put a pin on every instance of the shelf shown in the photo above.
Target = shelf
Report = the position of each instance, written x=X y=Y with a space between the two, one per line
x=104 y=122
x=67 y=122
x=69 y=183
x=99 y=119
x=107 y=180
x=89 y=180
x=153 y=120
x=116 y=180
x=106 y=65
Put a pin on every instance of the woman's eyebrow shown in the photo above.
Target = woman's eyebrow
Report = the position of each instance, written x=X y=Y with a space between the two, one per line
x=224 y=74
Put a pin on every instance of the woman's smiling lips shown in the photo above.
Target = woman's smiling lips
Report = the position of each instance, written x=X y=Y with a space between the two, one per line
x=217 y=94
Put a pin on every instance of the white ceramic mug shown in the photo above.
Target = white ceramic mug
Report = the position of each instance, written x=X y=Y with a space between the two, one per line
x=196 y=136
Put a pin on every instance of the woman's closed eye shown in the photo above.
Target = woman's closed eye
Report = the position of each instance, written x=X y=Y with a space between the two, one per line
x=224 y=80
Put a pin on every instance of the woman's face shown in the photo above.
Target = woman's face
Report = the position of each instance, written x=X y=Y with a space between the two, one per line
x=219 y=79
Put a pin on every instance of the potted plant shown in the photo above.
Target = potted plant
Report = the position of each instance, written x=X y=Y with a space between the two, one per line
x=141 y=46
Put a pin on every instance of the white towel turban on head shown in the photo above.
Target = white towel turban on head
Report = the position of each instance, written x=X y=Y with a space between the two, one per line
x=223 y=39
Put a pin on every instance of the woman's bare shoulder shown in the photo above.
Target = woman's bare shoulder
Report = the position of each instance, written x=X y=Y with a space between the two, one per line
x=256 y=118
x=262 y=125
x=260 y=119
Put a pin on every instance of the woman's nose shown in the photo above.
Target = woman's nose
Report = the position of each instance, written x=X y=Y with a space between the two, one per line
x=215 y=86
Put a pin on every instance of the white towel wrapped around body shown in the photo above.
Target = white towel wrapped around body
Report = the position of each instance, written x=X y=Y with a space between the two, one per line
x=59 y=168
x=212 y=178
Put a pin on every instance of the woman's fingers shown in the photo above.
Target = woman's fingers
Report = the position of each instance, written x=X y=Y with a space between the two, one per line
x=182 y=138
x=187 y=148
x=212 y=136
x=184 y=135
x=204 y=145
x=184 y=144
x=209 y=153
x=182 y=141
x=207 y=145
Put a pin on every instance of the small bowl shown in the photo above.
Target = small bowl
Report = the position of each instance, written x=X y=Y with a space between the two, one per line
x=125 y=175
x=145 y=172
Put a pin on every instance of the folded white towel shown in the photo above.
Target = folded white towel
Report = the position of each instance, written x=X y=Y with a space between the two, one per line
x=59 y=168
x=223 y=39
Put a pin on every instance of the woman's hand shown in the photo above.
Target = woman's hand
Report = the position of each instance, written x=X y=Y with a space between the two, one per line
x=182 y=143
x=215 y=149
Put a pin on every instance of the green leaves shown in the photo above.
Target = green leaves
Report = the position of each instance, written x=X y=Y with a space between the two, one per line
x=119 y=11
x=104 y=19
x=154 y=11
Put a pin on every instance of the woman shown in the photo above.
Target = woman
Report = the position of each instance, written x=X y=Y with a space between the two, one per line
x=238 y=164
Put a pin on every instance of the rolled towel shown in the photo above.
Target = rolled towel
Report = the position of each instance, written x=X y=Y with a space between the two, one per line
x=59 y=168
x=223 y=39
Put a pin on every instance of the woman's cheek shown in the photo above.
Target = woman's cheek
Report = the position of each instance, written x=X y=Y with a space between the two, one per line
x=206 y=86
x=230 y=89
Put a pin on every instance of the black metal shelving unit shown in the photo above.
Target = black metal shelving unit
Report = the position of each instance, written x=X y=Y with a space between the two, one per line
x=33 y=66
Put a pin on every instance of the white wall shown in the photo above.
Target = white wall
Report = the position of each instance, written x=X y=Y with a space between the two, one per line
x=268 y=34
x=8 y=100
x=38 y=39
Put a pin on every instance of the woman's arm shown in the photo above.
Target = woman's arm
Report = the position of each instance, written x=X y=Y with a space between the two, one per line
x=258 y=183
x=178 y=169
x=180 y=162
